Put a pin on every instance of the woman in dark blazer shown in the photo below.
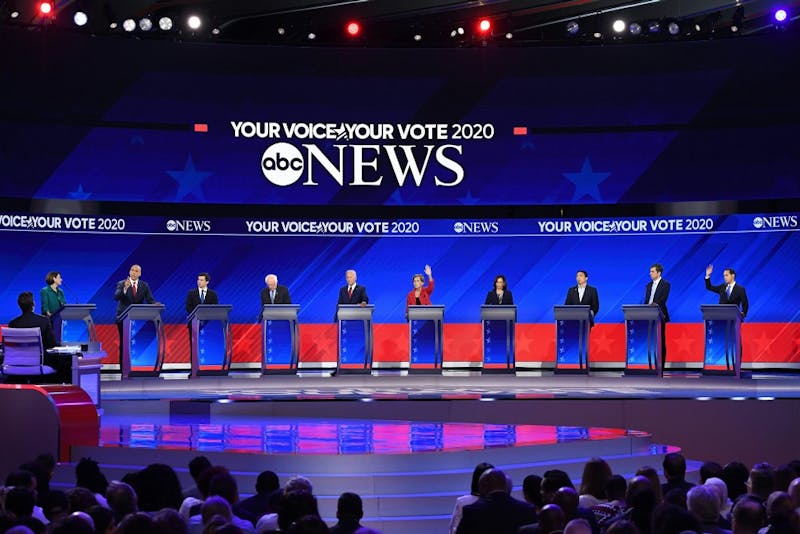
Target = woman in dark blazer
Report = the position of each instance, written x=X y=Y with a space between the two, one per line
x=500 y=295
x=420 y=295
x=51 y=295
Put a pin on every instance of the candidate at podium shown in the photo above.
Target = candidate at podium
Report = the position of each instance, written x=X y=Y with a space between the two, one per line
x=500 y=295
x=202 y=295
x=730 y=292
x=421 y=294
x=132 y=290
x=52 y=296
x=583 y=294
x=274 y=293
x=656 y=294
x=353 y=292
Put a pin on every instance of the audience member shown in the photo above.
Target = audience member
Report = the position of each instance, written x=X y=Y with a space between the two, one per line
x=103 y=519
x=552 y=481
x=471 y=497
x=675 y=472
x=703 y=503
x=551 y=519
x=138 y=523
x=578 y=526
x=596 y=473
x=655 y=483
x=169 y=521
x=670 y=519
x=349 y=511
x=496 y=511
x=197 y=465
x=725 y=504
x=122 y=500
x=532 y=491
x=735 y=475
x=748 y=516
x=88 y=475
x=259 y=504
x=709 y=470
x=761 y=482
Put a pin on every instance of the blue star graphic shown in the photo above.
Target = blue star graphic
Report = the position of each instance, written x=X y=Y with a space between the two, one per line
x=79 y=193
x=469 y=200
x=586 y=181
x=189 y=180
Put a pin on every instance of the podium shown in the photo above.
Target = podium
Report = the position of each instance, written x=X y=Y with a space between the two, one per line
x=210 y=340
x=573 y=323
x=643 y=338
x=723 y=340
x=354 y=327
x=142 y=343
x=280 y=338
x=425 y=337
x=73 y=324
x=498 y=338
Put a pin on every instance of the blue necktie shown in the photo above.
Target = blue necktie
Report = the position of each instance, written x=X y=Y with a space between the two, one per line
x=728 y=292
x=203 y=296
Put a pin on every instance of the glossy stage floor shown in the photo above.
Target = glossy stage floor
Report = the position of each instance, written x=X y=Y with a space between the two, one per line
x=408 y=444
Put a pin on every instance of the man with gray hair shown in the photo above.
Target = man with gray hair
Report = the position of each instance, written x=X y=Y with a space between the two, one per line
x=703 y=503
x=496 y=511
x=274 y=293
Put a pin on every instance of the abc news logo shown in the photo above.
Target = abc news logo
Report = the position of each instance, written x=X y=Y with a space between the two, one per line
x=188 y=225
x=775 y=221
x=476 y=227
x=283 y=164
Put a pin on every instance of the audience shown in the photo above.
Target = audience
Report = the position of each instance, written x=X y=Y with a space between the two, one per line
x=349 y=511
x=471 y=497
x=761 y=482
x=122 y=500
x=703 y=503
x=496 y=511
x=596 y=473
x=748 y=516
x=675 y=472
x=263 y=502
x=532 y=491
x=197 y=465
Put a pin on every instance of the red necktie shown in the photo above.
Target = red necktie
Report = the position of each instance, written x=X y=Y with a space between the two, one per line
x=349 y=292
x=134 y=290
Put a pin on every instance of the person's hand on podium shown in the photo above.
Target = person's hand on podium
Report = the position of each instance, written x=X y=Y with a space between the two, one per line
x=363 y=303
x=709 y=269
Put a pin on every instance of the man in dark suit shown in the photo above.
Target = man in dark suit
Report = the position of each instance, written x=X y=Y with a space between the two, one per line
x=352 y=293
x=29 y=319
x=132 y=290
x=656 y=294
x=584 y=294
x=730 y=292
x=202 y=295
x=496 y=511
x=274 y=293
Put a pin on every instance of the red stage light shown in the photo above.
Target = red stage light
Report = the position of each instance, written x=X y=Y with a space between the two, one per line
x=46 y=8
x=353 y=28
x=485 y=25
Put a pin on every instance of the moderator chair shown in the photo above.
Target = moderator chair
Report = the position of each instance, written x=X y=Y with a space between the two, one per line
x=23 y=355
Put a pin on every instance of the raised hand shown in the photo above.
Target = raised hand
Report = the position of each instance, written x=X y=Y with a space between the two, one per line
x=709 y=269
x=428 y=270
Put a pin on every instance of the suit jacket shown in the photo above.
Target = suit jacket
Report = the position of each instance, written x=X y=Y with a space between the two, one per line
x=359 y=295
x=51 y=301
x=193 y=298
x=590 y=298
x=34 y=320
x=738 y=295
x=125 y=297
x=492 y=300
x=499 y=513
x=281 y=295
x=424 y=295
x=660 y=298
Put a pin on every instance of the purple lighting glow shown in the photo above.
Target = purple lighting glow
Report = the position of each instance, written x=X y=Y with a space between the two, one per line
x=780 y=15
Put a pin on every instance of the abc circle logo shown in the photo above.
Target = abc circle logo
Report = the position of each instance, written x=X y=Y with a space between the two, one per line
x=172 y=225
x=758 y=222
x=458 y=227
x=282 y=164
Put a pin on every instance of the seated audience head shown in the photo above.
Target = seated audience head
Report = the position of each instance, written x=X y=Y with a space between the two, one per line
x=310 y=524
x=215 y=506
x=103 y=519
x=532 y=490
x=748 y=516
x=676 y=497
x=655 y=483
x=294 y=505
x=21 y=479
x=121 y=499
x=169 y=521
x=267 y=482
x=552 y=481
x=622 y=526
x=138 y=523
x=224 y=485
x=197 y=465
x=784 y=474
x=708 y=470
x=204 y=480
x=298 y=483
x=551 y=518
x=642 y=501
x=761 y=481
x=41 y=474
x=596 y=473
x=85 y=517
x=703 y=503
x=480 y=469
x=19 y=501
x=89 y=476
x=718 y=485
x=669 y=519
x=349 y=508
x=735 y=476
x=492 y=481
x=616 y=487
x=80 y=499
x=71 y=524
x=674 y=466
x=55 y=505
x=794 y=492
x=779 y=507
x=578 y=526
x=158 y=487
x=567 y=500
x=20 y=529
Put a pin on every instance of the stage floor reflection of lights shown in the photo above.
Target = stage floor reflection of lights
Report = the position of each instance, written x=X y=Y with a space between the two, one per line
x=261 y=435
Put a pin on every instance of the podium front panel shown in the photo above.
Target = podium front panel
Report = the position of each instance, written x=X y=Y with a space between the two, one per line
x=353 y=343
x=571 y=345
x=498 y=344
x=212 y=346
x=144 y=345
x=722 y=352
x=643 y=344
x=74 y=331
x=425 y=337
x=279 y=342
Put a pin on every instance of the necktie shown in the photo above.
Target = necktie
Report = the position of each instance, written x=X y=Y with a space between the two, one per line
x=134 y=290
x=350 y=292
x=728 y=291
x=272 y=296
x=202 y=296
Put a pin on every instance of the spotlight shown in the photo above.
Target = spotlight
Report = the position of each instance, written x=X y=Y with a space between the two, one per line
x=281 y=31
x=14 y=14
x=573 y=27
x=145 y=24
x=619 y=26
x=453 y=33
x=215 y=31
x=165 y=23
x=194 y=22
x=353 y=28
x=597 y=35
x=46 y=8
x=113 y=26
x=80 y=18
x=312 y=36
x=484 y=25
x=673 y=28
x=417 y=37
x=460 y=30
x=780 y=15
x=509 y=35
x=654 y=26
x=129 y=25
x=635 y=28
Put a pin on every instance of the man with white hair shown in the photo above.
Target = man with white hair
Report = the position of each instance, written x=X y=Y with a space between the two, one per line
x=725 y=504
x=274 y=293
x=703 y=503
